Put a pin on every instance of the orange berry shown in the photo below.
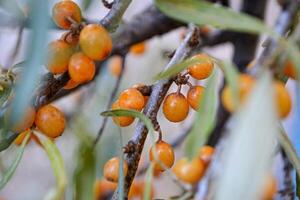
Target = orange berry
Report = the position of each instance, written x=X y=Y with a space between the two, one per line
x=205 y=30
x=115 y=65
x=283 y=99
x=165 y=155
x=71 y=39
x=81 y=68
x=25 y=122
x=175 y=107
x=290 y=70
x=103 y=188
x=138 y=48
x=189 y=171
x=50 y=121
x=136 y=86
x=203 y=69
x=136 y=190
x=132 y=99
x=205 y=154
x=111 y=169
x=59 y=54
x=270 y=188
x=63 y=10
x=70 y=85
x=194 y=96
x=245 y=84
x=121 y=121
x=18 y=141
x=95 y=41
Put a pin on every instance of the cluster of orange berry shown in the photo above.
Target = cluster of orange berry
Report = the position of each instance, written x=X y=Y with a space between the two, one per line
x=77 y=49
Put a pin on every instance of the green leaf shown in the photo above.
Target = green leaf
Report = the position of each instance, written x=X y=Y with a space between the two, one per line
x=86 y=4
x=12 y=168
x=58 y=168
x=205 y=118
x=205 y=13
x=178 y=67
x=121 y=169
x=85 y=173
x=148 y=177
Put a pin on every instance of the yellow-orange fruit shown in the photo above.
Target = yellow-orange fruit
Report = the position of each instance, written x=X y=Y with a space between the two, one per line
x=137 y=190
x=121 y=121
x=18 y=141
x=175 y=107
x=81 y=68
x=189 y=171
x=50 y=121
x=63 y=10
x=194 y=96
x=70 y=85
x=290 y=70
x=205 y=154
x=111 y=169
x=95 y=41
x=203 y=69
x=132 y=99
x=283 y=99
x=245 y=84
x=270 y=188
x=103 y=188
x=138 y=48
x=58 y=56
x=115 y=65
x=136 y=86
x=25 y=122
x=165 y=155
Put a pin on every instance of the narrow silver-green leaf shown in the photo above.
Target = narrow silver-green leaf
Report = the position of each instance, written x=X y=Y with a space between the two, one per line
x=148 y=183
x=121 y=169
x=12 y=168
x=58 y=168
x=204 y=119
x=205 y=13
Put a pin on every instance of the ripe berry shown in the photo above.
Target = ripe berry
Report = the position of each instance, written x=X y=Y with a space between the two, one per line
x=25 y=122
x=283 y=99
x=132 y=99
x=50 y=121
x=136 y=190
x=81 y=68
x=115 y=65
x=70 y=85
x=18 y=141
x=121 y=121
x=164 y=153
x=203 y=69
x=245 y=84
x=111 y=169
x=138 y=48
x=136 y=86
x=59 y=54
x=104 y=188
x=175 y=107
x=189 y=171
x=205 y=154
x=63 y=10
x=95 y=41
x=194 y=96
x=270 y=188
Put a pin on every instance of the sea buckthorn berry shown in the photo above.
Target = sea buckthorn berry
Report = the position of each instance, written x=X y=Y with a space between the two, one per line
x=64 y=10
x=136 y=190
x=189 y=171
x=111 y=169
x=205 y=154
x=203 y=69
x=104 y=188
x=70 y=85
x=132 y=99
x=121 y=121
x=270 y=188
x=115 y=65
x=164 y=153
x=290 y=70
x=58 y=56
x=81 y=68
x=283 y=99
x=138 y=48
x=175 y=107
x=25 y=122
x=136 y=86
x=95 y=41
x=18 y=141
x=50 y=121
x=194 y=96
x=245 y=84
